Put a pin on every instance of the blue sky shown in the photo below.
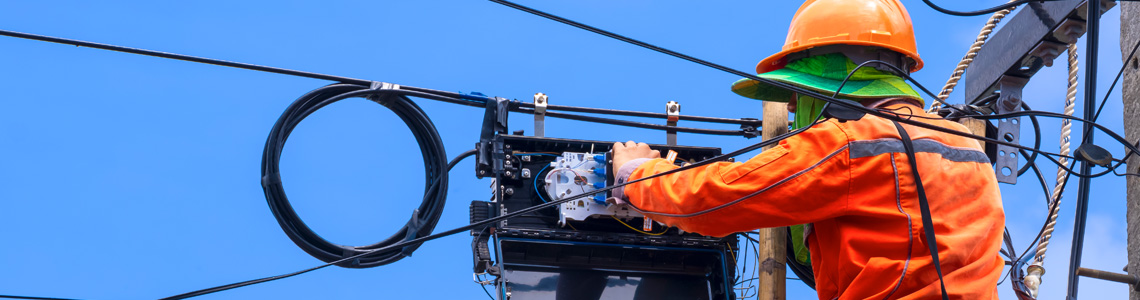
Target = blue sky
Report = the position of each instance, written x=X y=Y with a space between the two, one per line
x=131 y=177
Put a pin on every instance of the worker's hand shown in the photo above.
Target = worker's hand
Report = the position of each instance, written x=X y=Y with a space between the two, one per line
x=624 y=153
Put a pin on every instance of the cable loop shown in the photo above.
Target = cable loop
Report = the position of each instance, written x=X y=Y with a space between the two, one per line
x=423 y=219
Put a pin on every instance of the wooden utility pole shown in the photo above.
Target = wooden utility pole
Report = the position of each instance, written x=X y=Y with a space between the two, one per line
x=772 y=260
x=977 y=127
x=1129 y=35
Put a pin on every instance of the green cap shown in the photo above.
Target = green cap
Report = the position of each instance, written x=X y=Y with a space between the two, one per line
x=824 y=73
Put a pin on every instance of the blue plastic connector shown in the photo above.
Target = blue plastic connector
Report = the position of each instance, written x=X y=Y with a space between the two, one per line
x=600 y=158
x=600 y=198
x=599 y=185
x=600 y=171
x=477 y=96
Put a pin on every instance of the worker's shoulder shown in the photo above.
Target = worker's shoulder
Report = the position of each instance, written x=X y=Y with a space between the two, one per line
x=872 y=127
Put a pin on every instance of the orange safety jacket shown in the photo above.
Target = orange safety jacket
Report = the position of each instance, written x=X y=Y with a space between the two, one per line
x=853 y=182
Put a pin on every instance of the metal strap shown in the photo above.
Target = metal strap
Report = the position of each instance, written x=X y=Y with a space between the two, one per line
x=540 y=102
x=673 y=113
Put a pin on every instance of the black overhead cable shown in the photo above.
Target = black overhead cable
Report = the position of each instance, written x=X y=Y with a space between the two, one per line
x=625 y=123
x=356 y=81
x=783 y=85
x=474 y=100
x=1114 y=81
x=485 y=222
x=458 y=98
x=32 y=298
x=980 y=12
x=1092 y=43
x=452 y=96
x=196 y=59
x=1090 y=79
x=645 y=114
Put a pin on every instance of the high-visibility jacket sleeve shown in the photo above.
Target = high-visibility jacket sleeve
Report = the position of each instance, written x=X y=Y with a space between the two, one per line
x=805 y=178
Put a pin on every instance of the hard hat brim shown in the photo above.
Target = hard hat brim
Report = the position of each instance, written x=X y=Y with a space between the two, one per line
x=777 y=61
x=853 y=89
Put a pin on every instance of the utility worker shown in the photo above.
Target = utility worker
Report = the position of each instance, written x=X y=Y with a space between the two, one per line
x=851 y=181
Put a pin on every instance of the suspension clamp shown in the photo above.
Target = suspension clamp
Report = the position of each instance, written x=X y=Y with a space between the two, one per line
x=382 y=99
x=749 y=130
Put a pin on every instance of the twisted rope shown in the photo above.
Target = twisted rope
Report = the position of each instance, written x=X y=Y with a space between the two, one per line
x=1062 y=176
x=966 y=60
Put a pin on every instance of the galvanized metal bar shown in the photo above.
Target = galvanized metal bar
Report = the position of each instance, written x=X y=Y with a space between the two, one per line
x=540 y=102
x=1132 y=280
x=1009 y=129
x=673 y=111
x=1029 y=40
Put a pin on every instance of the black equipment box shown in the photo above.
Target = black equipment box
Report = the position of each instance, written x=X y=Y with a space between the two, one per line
x=547 y=255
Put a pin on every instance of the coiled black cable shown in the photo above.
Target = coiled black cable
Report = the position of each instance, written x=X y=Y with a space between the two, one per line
x=423 y=219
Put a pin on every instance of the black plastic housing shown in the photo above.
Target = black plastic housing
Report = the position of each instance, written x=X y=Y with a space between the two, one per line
x=535 y=248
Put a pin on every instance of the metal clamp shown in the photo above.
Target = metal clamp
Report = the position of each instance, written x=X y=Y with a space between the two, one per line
x=673 y=114
x=540 y=101
x=488 y=158
x=475 y=276
x=1009 y=129
x=382 y=99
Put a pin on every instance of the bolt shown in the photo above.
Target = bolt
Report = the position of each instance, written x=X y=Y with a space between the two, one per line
x=1047 y=55
x=525 y=173
x=509 y=191
x=481 y=172
x=1011 y=103
x=508 y=173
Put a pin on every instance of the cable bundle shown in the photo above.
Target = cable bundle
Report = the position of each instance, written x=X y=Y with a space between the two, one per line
x=423 y=219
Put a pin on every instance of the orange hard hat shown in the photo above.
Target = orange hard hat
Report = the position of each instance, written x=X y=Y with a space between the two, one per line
x=875 y=23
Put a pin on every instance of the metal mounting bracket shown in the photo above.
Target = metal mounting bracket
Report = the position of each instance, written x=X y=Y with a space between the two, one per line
x=1009 y=129
x=489 y=149
x=540 y=102
x=673 y=114
x=1029 y=40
